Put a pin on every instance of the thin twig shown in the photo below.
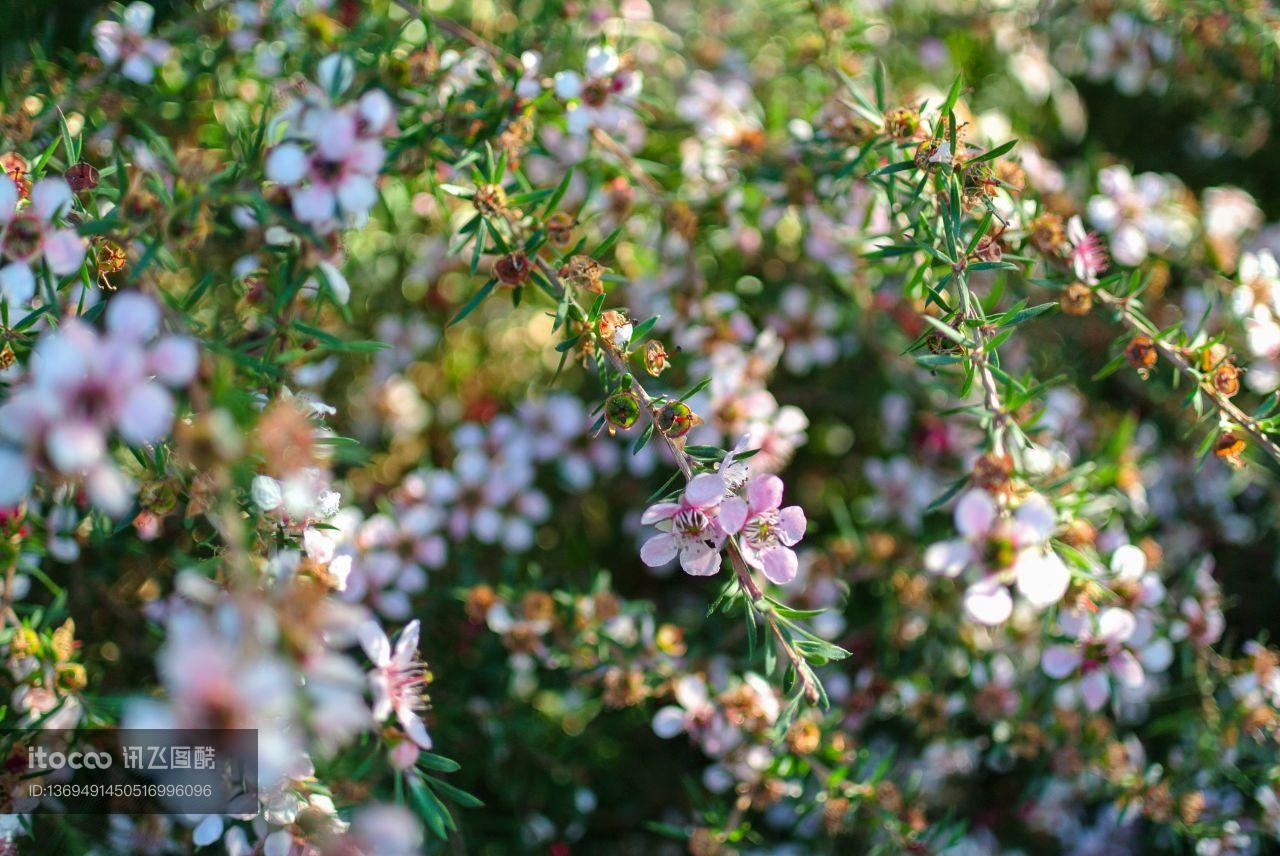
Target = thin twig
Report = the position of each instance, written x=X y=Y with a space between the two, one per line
x=1175 y=356
x=458 y=30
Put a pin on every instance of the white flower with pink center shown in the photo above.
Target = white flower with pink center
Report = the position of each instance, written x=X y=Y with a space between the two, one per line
x=1099 y=655
x=600 y=97
x=1001 y=548
x=31 y=234
x=689 y=528
x=767 y=532
x=332 y=153
x=398 y=678
x=129 y=43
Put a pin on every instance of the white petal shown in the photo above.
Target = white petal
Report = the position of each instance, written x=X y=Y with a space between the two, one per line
x=15 y=477
x=133 y=316
x=988 y=602
x=1128 y=562
x=1115 y=625
x=568 y=85
x=375 y=643
x=147 y=415
x=286 y=164
x=975 y=513
x=668 y=722
x=1043 y=579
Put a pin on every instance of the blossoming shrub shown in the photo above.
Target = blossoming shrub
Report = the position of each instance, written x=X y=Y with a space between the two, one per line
x=644 y=428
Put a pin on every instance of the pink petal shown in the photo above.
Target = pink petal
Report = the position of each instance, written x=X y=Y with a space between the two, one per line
x=286 y=164
x=1095 y=688
x=338 y=137
x=73 y=447
x=50 y=197
x=1127 y=669
x=64 y=251
x=1033 y=521
x=109 y=489
x=174 y=360
x=704 y=490
x=659 y=511
x=1058 y=661
x=791 y=525
x=315 y=204
x=764 y=492
x=659 y=550
x=699 y=560
x=779 y=564
x=733 y=514
x=8 y=198
x=15 y=477
x=948 y=558
x=133 y=316
x=975 y=513
x=147 y=415
x=407 y=644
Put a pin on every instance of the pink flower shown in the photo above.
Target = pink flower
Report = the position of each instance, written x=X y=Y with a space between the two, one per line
x=689 y=528
x=768 y=532
x=1004 y=548
x=1097 y=656
x=128 y=42
x=1088 y=255
x=83 y=386
x=31 y=234
x=398 y=678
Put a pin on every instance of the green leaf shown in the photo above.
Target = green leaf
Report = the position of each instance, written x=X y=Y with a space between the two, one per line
x=994 y=153
x=475 y=301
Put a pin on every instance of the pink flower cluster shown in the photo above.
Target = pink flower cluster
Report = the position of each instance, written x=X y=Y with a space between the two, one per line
x=331 y=154
x=82 y=387
x=708 y=513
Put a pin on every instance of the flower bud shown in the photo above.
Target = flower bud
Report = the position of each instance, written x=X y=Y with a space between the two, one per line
x=1077 y=299
x=1141 y=354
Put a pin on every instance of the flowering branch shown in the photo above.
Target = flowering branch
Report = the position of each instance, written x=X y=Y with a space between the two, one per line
x=809 y=683
x=1135 y=322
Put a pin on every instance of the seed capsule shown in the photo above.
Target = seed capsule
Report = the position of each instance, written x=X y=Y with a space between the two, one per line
x=621 y=410
x=675 y=419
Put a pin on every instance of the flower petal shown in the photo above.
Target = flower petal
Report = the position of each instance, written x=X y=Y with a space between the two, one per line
x=1058 y=661
x=704 y=491
x=659 y=550
x=779 y=564
x=1042 y=578
x=764 y=492
x=988 y=602
x=975 y=513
